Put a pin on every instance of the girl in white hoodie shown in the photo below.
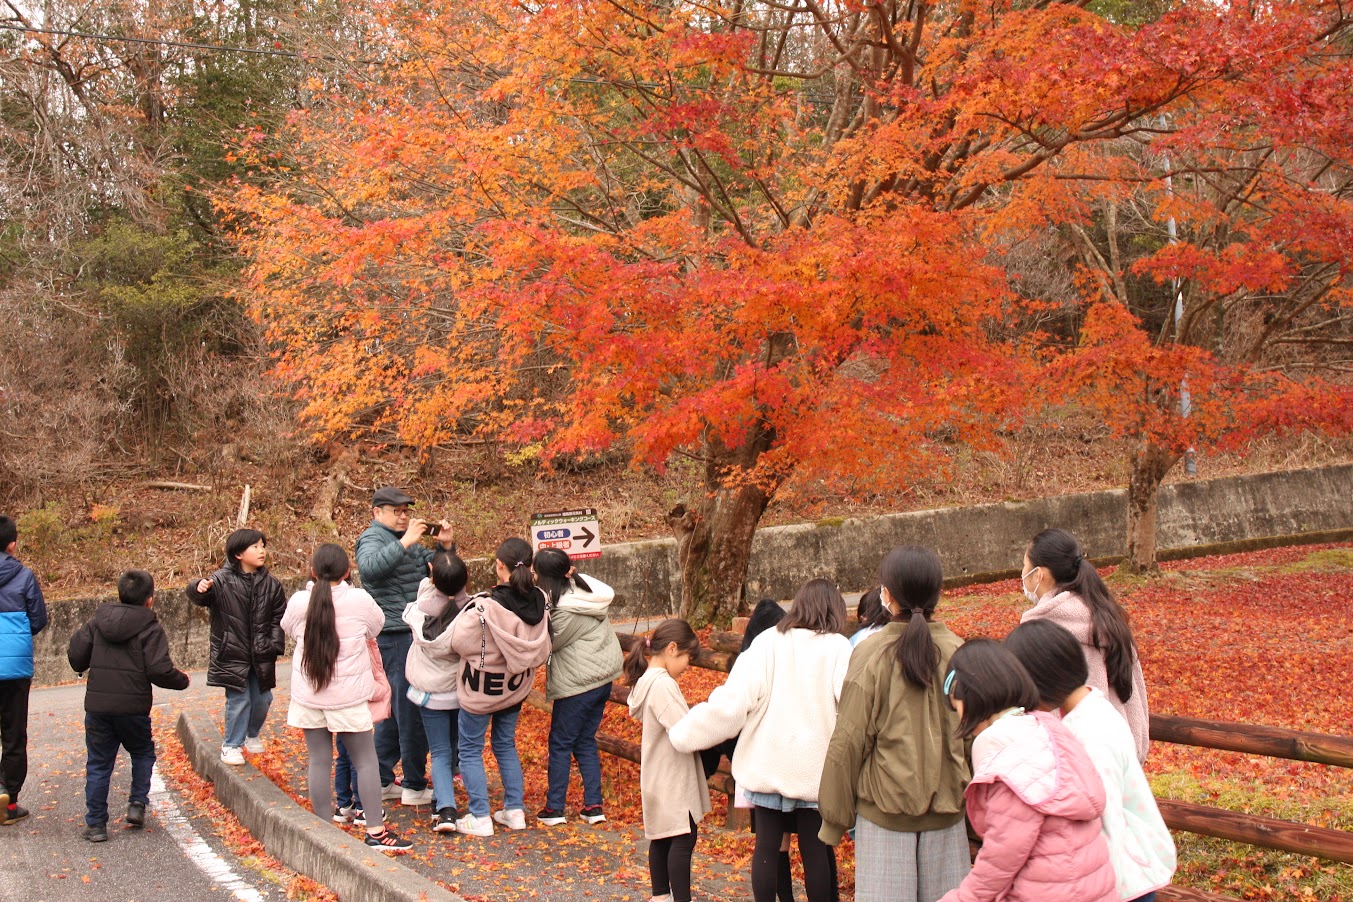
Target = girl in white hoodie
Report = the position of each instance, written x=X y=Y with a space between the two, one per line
x=332 y=684
x=432 y=668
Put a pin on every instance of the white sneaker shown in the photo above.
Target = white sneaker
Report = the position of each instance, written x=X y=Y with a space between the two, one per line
x=253 y=745
x=391 y=792
x=416 y=796
x=474 y=826
x=512 y=818
x=231 y=754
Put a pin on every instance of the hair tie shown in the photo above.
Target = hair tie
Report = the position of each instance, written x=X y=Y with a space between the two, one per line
x=920 y=611
x=519 y=564
x=648 y=643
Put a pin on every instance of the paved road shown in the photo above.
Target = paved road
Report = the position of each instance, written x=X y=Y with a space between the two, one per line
x=45 y=858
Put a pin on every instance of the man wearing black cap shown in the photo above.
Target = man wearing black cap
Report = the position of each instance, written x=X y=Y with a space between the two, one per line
x=392 y=562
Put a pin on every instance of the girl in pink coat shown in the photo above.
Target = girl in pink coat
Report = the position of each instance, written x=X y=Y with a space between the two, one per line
x=1035 y=797
x=333 y=684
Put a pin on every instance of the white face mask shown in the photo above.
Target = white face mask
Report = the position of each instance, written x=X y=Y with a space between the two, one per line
x=1030 y=594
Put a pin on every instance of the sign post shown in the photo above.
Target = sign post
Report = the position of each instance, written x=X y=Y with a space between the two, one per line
x=572 y=531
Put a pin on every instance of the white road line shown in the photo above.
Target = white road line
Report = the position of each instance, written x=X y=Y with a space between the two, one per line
x=194 y=846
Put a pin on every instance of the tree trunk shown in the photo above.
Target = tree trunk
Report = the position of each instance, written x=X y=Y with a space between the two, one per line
x=714 y=538
x=1150 y=463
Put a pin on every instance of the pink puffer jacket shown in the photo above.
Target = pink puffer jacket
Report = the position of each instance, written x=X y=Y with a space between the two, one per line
x=1035 y=799
x=357 y=618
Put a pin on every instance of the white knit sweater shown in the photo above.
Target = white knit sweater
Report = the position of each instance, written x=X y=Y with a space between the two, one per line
x=781 y=695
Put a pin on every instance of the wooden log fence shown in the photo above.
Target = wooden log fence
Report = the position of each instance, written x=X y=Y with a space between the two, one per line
x=1275 y=742
x=720 y=650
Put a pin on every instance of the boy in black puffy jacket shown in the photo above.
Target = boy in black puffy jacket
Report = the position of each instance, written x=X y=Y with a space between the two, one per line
x=125 y=650
x=247 y=603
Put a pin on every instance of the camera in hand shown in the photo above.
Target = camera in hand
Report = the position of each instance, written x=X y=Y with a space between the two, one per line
x=433 y=529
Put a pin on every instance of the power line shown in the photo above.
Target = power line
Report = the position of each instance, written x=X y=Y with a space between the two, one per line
x=162 y=42
x=811 y=97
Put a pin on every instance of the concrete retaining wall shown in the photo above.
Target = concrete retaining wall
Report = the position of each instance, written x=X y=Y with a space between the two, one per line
x=990 y=539
x=985 y=540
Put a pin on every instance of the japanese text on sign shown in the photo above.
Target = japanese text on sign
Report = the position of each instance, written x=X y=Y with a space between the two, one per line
x=573 y=531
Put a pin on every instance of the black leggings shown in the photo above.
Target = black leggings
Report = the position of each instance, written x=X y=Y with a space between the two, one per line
x=819 y=859
x=784 y=880
x=669 y=864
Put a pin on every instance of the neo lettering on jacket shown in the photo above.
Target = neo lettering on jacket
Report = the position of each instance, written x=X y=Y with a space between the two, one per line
x=493 y=683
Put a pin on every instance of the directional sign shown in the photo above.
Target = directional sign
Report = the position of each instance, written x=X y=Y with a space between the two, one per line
x=573 y=531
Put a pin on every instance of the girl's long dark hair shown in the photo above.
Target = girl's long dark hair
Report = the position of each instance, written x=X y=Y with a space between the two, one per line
x=515 y=553
x=552 y=567
x=913 y=578
x=319 y=647
x=1060 y=553
x=669 y=631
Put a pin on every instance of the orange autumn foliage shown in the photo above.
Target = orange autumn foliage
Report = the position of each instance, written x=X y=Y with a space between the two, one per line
x=774 y=237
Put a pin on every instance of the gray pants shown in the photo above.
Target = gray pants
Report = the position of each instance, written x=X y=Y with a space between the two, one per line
x=908 y=867
x=319 y=745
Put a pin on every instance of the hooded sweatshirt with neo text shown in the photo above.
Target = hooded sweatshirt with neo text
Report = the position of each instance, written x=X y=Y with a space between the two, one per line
x=501 y=637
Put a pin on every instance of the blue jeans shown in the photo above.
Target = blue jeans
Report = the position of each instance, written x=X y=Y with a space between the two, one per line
x=472 y=729
x=443 y=733
x=104 y=734
x=573 y=734
x=400 y=736
x=345 y=778
x=245 y=711
x=1149 y=897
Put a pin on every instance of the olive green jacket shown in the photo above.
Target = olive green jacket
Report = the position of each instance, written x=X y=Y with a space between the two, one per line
x=584 y=650
x=893 y=757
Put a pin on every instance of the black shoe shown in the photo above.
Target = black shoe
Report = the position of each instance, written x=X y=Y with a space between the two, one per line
x=14 y=813
x=592 y=814
x=136 y=814
x=387 y=841
x=550 y=818
x=445 y=821
x=97 y=833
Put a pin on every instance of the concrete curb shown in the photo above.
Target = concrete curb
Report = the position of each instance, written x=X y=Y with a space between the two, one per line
x=296 y=837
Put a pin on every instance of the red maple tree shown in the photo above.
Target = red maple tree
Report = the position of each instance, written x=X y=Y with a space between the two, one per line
x=765 y=236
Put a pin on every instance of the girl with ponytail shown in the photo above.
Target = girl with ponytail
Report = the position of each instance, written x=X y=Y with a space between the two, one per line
x=502 y=636
x=896 y=767
x=671 y=783
x=333 y=683
x=1066 y=589
x=585 y=659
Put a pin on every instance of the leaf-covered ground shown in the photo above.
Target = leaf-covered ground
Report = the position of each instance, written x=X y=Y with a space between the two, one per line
x=1265 y=637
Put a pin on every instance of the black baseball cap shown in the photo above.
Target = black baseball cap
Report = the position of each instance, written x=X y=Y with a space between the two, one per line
x=390 y=495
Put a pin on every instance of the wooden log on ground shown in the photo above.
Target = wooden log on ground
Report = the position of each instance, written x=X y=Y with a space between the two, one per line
x=620 y=695
x=725 y=641
x=177 y=486
x=722 y=781
x=1266 y=832
x=1184 y=894
x=1254 y=739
